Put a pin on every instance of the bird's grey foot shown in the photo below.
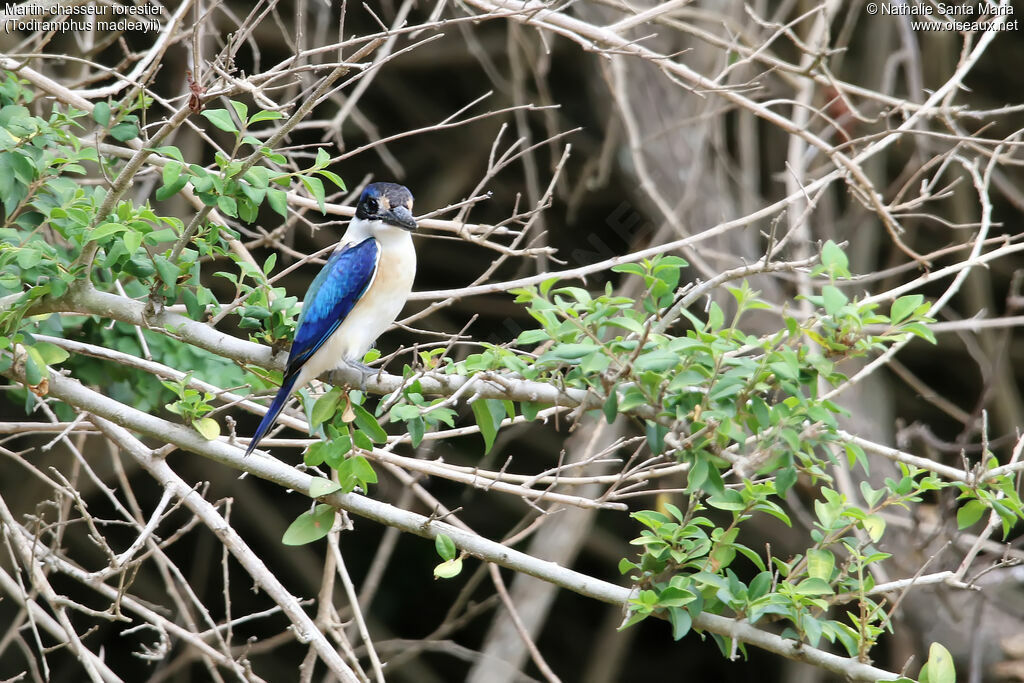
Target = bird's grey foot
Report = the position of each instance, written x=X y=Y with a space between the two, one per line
x=365 y=372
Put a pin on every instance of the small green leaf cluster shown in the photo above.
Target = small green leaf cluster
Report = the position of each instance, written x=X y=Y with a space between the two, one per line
x=842 y=330
x=999 y=496
x=688 y=564
x=341 y=419
x=119 y=122
x=193 y=405
x=238 y=188
x=346 y=425
x=268 y=312
x=731 y=391
x=452 y=565
x=419 y=413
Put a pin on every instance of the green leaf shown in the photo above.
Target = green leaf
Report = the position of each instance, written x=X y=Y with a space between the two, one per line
x=834 y=260
x=655 y=436
x=240 y=108
x=904 y=306
x=627 y=324
x=167 y=191
x=35 y=369
x=228 y=205
x=265 y=116
x=339 y=448
x=132 y=240
x=222 y=119
x=208 y=427
x=361 y=440
x=278 y=200
x=310 y=526
x=269 y=264
x=919 y=330
x=29 y=257
x=970 y=513
x=631 y=268
x=334 y=178
x=164 y=235
x=812 y=629
x=875 y=526
x=449 y=569
x=325 y=406
x=170 y=151
x=124 y=131
x=257 y=312
x=728 y=499
x=833 y=299
x=321 y=487
x=532 y=337
x=681 y=622
x=368 y=425
x=611 y=407
x=716 y=318
x=101 y=113
x=404 y=412
x=445 y=547
x=315 y=454
x=939 y=668
x=417 y=430
x=488 y=413
x=362 y=470
x=813 y=587
x=657 y=361
x=316 y=190
x=167 y=270
x=820 y=564
x=105 y=230
x=785 y=479
x=871 y=496
x=51 y=354
x=171 y=172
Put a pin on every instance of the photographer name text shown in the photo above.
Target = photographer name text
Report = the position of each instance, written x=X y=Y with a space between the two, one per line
x=979 y=10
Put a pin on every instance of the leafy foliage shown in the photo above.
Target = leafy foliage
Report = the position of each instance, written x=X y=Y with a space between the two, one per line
x=48 y=221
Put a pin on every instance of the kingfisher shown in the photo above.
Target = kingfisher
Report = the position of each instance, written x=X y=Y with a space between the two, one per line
x=357 y=295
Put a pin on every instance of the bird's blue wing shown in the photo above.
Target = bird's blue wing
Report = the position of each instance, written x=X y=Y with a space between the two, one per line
x=330 y=298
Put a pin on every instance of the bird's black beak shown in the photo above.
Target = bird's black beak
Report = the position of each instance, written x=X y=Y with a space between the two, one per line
x=400 y=217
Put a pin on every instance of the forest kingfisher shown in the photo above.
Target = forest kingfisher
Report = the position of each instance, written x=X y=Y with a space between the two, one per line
x=356 y=296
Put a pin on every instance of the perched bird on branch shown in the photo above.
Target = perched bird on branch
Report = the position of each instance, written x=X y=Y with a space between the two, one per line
x=356 y=296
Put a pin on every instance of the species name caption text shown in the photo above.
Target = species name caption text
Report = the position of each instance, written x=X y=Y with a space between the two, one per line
x=59 y=18
x=977 y=17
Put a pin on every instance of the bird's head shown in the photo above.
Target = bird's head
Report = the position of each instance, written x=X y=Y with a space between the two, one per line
x=386 y=204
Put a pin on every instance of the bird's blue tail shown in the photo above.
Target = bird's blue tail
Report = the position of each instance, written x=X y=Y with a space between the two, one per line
x=273 y=411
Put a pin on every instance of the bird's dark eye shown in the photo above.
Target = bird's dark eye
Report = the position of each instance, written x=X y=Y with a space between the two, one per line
x=371 y=205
